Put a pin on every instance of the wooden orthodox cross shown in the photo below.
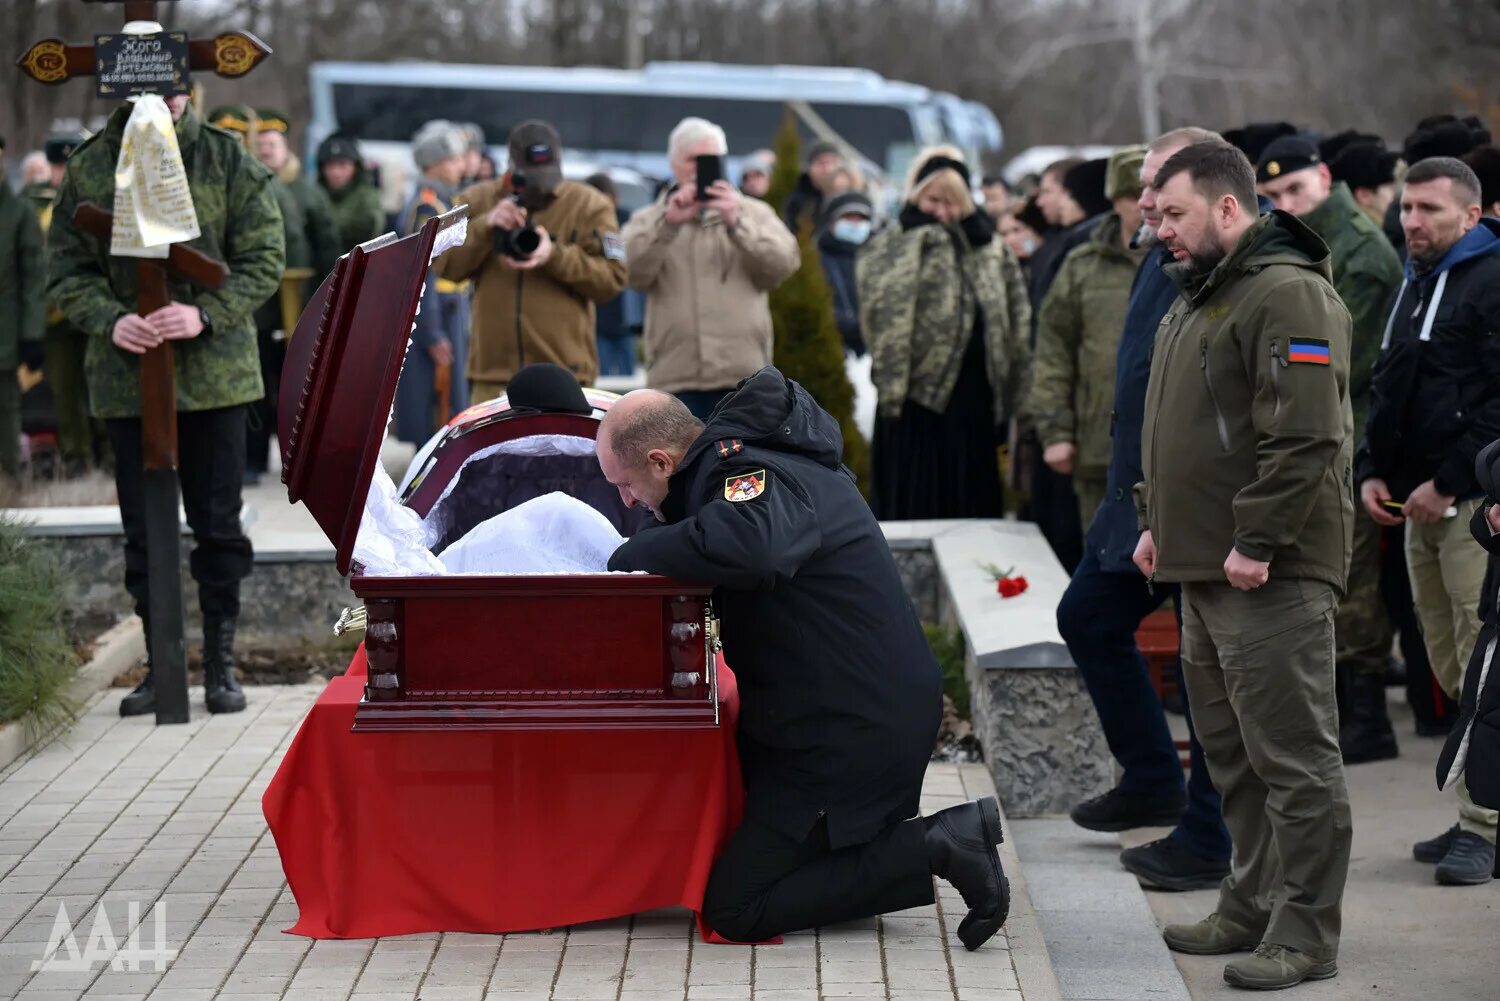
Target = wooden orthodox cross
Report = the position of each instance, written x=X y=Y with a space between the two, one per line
x=233 y=54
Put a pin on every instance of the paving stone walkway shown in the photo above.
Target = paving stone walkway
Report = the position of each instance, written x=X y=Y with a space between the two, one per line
x=120 y=816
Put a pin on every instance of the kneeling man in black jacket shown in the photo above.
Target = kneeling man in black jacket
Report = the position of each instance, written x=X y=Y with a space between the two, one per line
x=840 y=697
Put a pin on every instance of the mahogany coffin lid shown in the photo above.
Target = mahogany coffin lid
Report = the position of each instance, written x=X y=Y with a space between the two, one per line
x=339 y=379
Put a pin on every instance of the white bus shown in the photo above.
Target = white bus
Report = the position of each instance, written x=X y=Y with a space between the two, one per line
x=623 y=117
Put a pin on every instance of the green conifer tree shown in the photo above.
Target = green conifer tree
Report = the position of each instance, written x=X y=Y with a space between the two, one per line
x=808 y=346
x=37 y=665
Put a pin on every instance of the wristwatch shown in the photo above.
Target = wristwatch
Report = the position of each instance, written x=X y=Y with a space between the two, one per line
x=203 y=318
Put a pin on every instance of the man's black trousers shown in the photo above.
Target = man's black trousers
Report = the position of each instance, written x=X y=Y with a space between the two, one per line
x=211 y=469
x=766 y=883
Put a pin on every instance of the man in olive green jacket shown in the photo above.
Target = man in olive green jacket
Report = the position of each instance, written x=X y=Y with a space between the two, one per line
x=1246 y=503
x=23 y=311
x=1366 y=275
x=1078 y=336
x=351 y=191
x=212 y=334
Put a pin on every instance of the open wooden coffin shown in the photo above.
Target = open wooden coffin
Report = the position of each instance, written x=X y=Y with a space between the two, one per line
x=503 y=651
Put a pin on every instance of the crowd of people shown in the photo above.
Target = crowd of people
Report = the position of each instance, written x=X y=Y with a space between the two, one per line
x=1247 y=374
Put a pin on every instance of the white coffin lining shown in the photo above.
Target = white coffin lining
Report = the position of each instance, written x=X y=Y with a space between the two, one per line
x=536 y=444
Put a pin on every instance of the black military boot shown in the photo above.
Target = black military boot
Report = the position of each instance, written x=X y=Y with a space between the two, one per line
x=961 y=849
x=221 y=693
x=1366 y=734
x=141 y=699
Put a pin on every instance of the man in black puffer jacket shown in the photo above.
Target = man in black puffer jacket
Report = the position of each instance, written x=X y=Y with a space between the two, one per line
x=1434 y=403
x=840 y=696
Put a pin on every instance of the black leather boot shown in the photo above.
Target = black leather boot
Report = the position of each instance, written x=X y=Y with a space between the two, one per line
x=141 y=699
x=221 y=693
x=961 y=849
x=1366 y=734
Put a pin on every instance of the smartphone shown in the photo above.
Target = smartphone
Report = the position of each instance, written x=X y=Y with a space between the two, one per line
x=710 y=169
x=1396 y=507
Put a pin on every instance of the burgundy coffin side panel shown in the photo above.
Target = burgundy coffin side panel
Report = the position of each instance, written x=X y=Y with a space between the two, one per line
x=535 y=653
x=524 y=647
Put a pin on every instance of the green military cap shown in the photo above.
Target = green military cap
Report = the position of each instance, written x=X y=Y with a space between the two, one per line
x=59 y=147
x=271 y=120
x=234 y=117
x=1122 y=178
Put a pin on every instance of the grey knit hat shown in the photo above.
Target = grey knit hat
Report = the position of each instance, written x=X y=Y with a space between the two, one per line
x=437 y=141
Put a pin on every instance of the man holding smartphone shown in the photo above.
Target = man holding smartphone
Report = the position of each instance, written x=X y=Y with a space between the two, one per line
x=1434 y=403
x=706 y=257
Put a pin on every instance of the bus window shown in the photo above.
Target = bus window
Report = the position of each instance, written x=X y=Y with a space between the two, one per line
x=622 y=122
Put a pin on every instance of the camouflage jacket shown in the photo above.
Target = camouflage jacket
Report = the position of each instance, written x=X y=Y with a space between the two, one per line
x=1366 y=275
x=920 y=292
x=356 y=211
x=324 y=247
x=1078 y=335
x=22 y=305
x=242 y=227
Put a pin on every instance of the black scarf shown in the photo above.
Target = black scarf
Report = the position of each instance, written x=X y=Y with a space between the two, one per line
x=976 y=228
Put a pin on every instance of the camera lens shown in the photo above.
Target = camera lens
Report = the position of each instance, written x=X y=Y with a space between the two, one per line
x=526 y=241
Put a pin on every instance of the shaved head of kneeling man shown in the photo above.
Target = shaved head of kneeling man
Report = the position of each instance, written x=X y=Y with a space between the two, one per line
x=840 y=697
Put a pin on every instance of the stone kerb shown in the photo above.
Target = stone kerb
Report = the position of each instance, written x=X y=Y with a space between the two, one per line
x=1042 y=740
x=292 y=598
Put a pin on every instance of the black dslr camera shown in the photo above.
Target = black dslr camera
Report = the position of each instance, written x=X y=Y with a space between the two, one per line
x=520 y=243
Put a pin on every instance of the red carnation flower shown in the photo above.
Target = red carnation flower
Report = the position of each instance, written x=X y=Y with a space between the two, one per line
x=1009 y=587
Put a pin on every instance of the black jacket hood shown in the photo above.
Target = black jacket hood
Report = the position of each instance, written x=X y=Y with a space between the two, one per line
x=770 y=411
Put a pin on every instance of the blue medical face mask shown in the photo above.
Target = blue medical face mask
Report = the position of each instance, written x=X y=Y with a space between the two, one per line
x=855 y=231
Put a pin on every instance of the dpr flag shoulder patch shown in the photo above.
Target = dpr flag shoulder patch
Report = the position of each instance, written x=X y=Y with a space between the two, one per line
x=745 y=486
x=1307 y=351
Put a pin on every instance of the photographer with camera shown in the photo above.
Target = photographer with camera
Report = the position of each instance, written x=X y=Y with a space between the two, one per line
x=706 y=256
x=541 y=252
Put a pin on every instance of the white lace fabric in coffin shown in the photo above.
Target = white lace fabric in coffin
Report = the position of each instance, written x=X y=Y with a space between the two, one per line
x=553 y=533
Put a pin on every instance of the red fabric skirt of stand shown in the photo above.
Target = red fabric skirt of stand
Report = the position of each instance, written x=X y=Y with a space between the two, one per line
x=401 y=833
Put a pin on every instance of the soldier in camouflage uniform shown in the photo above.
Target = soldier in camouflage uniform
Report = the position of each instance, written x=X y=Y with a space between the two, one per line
x=351 y=191
x=1078 y=336
x=80 y=439
x=1366 y=274
x=21 y=312
x=218 y=373
x=312 y=242
x=272 y=148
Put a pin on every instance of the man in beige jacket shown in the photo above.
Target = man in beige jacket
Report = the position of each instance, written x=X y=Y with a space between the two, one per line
x=535 y=306
x=705 y=267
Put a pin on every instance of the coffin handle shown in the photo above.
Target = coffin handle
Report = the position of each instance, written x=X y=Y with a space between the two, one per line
x=350 y=620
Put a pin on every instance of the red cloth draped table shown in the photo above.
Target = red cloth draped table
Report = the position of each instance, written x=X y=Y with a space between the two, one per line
x=465 y=831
